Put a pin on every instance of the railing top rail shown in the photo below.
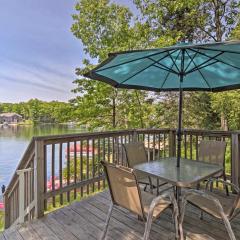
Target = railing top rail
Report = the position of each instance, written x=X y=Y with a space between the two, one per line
x=79 y=135
x=210 y=132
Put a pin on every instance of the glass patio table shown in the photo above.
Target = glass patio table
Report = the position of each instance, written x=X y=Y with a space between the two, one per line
x=188 y=174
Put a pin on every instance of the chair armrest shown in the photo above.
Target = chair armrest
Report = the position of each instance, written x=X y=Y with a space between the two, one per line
x=214 y=201
x=225 y=183
x=153 y=204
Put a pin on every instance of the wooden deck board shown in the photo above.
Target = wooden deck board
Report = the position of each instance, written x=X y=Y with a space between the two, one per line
x=85 y=220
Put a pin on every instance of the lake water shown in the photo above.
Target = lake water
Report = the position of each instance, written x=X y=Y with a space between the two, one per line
x=14 y=141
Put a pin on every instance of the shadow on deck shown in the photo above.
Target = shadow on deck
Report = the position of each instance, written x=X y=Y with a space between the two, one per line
x=85 y=220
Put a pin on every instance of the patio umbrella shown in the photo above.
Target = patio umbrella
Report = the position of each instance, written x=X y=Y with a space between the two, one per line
x=185 y=67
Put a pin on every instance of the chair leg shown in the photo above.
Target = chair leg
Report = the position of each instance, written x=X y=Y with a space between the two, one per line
x=226 y=186
x=148 y=224
x=229 y=228
x=157 y=186
x=151 y=185
x=107 y=223
x=176 y=221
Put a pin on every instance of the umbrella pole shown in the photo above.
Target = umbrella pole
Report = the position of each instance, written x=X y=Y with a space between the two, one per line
x=179 y=135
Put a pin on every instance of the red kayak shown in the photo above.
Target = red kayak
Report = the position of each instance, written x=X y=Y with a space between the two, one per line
x=1 y=206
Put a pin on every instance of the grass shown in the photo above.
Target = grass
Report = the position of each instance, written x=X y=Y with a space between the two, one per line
x=1 y=221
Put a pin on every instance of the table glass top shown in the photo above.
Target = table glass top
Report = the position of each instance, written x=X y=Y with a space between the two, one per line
x=190 y=171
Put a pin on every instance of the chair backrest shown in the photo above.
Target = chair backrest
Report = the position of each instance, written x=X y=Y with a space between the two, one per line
x=135 y=153
x=124 y=188
x=212 y=151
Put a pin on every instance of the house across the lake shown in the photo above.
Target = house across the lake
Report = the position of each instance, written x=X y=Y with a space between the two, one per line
x=10 y=118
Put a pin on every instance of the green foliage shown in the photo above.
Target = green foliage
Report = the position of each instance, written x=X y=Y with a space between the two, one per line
x=171 y=21
x=103 y=27
x=40 y=111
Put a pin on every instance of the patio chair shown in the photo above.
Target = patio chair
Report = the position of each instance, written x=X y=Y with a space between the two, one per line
x=136 y=154
x=212 y=151
x=221 y=208
x=125 y=192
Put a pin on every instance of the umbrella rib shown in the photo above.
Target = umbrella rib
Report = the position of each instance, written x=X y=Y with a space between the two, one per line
x=169 y=72
x=174 y=62
x=197 y=68
x=190 y=61
x=166 y=69
x=202 y=65
x=204 y=54
x=199 y=71
x=152 y=64
x=163 y=66
x=120 y=64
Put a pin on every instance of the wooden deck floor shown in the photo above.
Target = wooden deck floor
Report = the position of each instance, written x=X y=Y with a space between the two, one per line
x=85 y=220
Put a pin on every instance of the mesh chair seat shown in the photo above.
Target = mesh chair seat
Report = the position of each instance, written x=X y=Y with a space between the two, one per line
x=147 y=199
x=208 y=206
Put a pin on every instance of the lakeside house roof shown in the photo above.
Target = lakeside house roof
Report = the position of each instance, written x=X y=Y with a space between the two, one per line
x=9 y=114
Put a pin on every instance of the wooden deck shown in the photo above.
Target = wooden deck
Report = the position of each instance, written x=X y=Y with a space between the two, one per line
x=85 y=220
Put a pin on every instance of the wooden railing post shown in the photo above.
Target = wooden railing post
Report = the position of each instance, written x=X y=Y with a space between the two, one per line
x=172 y=143
x=39 y=178
x=135 y=136
x=235 y=168
x=22 y=193
x=6 y=211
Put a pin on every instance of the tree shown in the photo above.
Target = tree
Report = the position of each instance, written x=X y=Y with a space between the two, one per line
x=105 y=27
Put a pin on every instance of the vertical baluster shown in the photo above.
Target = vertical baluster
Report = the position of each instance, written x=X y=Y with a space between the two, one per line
x=148 y=147
x=154 y=143
x=60 y=173
x=196 y=147
x=68 y=169
x=159 y=145
x=118 y=155
x=185 y=145
x=53 y=173
x=113 y=150
x=191 y=157
x=99 y=159
x=81 y=165
x=44 y=174
x=122 y=163
x=87 y=165
x=93 y=163
x=25 y=190
x=164 y=145
x=104 y=183
x=29 y=192
x=108 y=149
x=75 y=169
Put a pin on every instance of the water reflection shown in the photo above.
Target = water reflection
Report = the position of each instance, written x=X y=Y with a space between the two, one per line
x=15 y=139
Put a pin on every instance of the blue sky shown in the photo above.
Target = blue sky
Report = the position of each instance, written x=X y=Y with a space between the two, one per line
x=38 y=52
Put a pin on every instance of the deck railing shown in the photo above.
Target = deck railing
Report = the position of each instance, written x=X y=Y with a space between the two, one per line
x=58 y=169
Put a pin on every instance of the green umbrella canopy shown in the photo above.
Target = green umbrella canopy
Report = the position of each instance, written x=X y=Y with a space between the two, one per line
x=204 y=67
x=201 y=67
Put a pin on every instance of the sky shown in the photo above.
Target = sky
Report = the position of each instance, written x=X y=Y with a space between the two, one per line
x=38 y=52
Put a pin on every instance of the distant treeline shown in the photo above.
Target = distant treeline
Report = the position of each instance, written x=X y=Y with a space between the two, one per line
x=37 y=111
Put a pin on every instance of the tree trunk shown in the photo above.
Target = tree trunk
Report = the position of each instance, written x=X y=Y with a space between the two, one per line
x=114 y=108
x=140 y=110
x=219 y=37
